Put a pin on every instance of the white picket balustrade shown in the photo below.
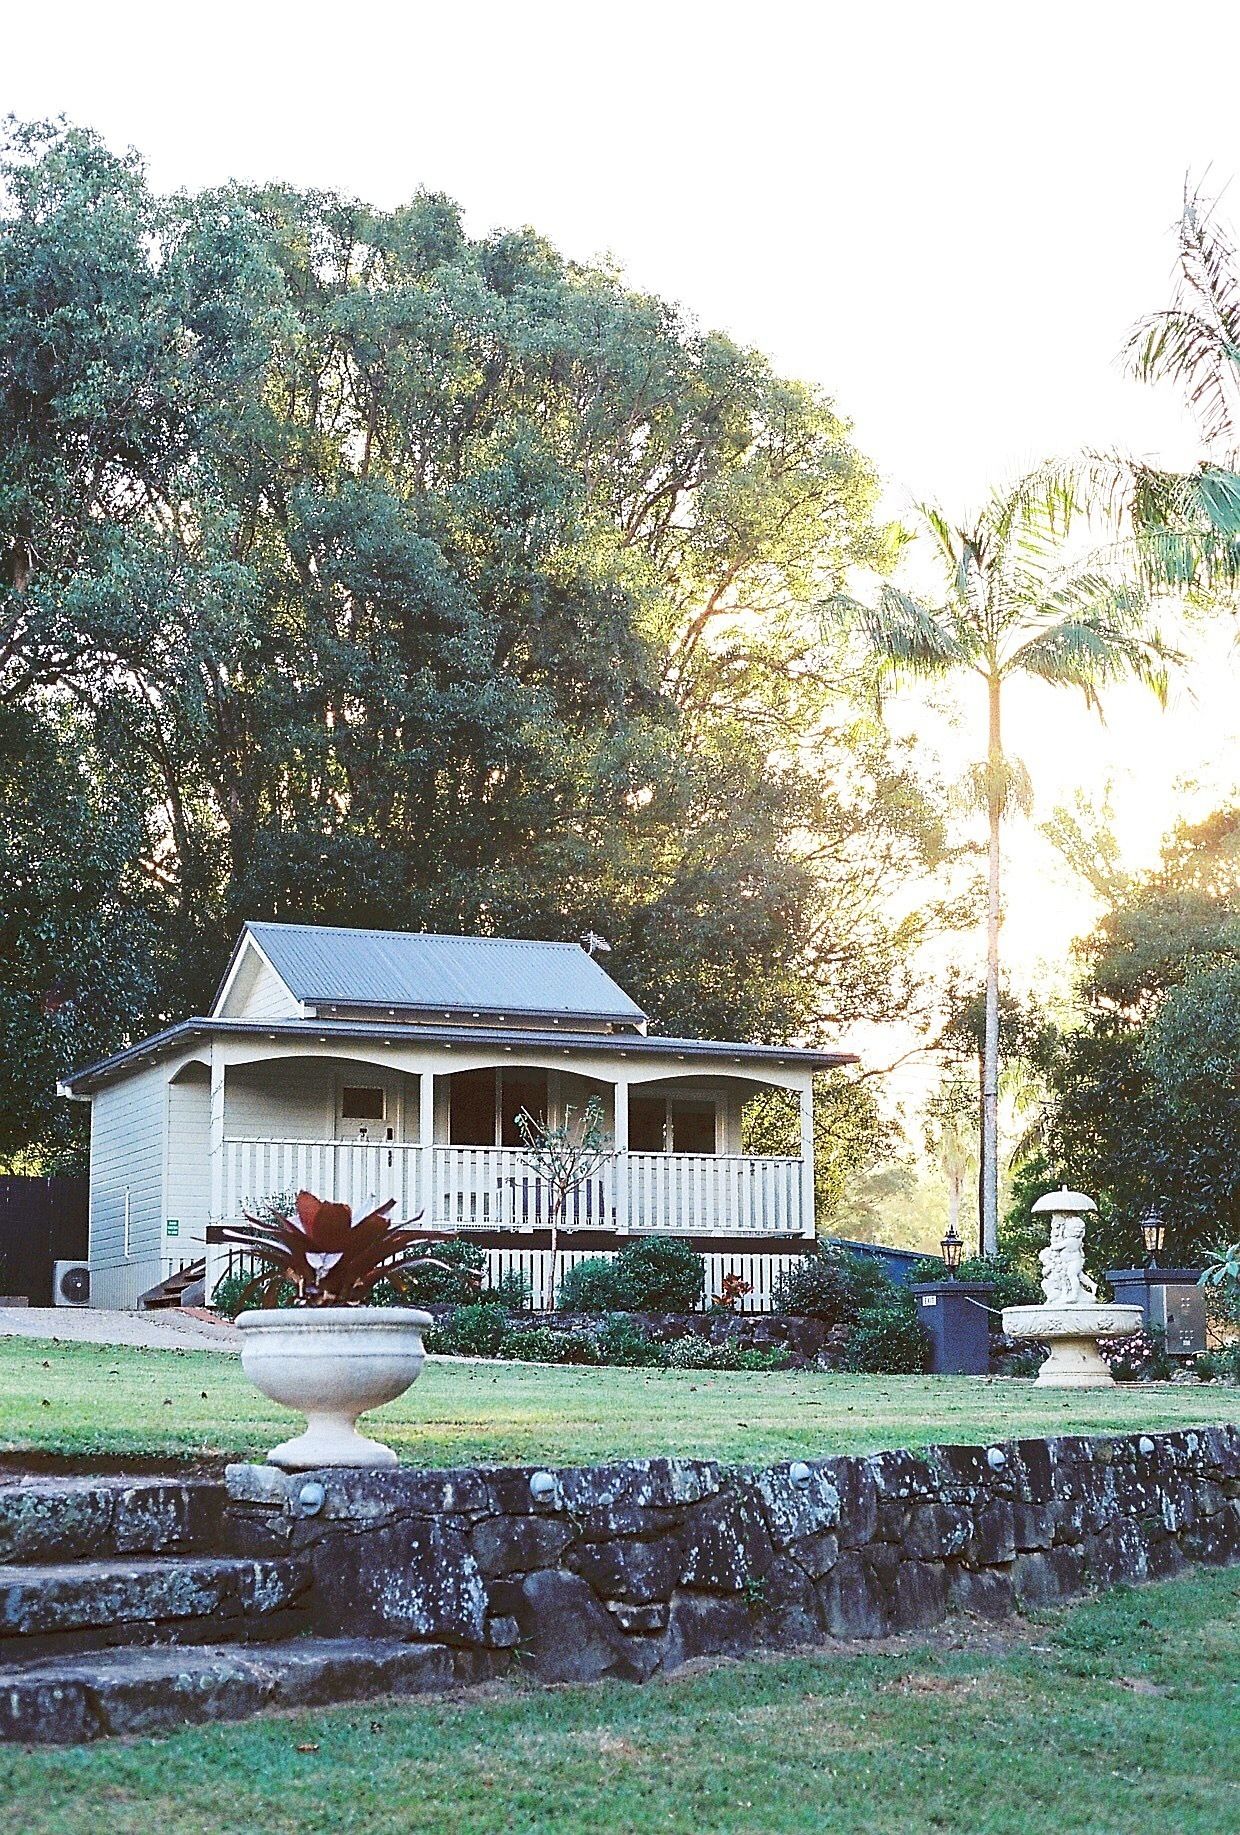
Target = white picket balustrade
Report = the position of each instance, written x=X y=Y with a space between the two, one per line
x=466 y=1188
x=759 y=1268
x=721 y=1194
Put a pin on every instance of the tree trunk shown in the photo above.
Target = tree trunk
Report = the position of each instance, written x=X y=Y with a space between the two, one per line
x=990 y=1053
x=553 y=1220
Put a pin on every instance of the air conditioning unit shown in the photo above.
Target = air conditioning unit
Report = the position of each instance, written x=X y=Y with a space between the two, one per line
x=71 y=1283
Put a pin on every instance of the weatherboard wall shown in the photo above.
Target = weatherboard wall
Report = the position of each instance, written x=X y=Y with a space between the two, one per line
x=127 y=1159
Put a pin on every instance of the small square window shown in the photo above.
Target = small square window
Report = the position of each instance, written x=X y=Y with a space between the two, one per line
x=361 y=1102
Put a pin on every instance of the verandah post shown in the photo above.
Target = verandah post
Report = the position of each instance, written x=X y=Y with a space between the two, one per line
x=426 y=1144
x=807 y=1159
x=620 y=1161
x=215 y=1256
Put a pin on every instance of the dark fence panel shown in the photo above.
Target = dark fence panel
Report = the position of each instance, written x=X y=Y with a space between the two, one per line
x=897 y=1264
x=41 y=1221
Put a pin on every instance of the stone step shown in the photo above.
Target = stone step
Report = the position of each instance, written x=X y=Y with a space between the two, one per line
x=65 y=1519
x=143 y=1689
x=145 y=1599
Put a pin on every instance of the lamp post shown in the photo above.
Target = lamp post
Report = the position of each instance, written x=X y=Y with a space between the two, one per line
x=955 y=1315
x=1170 y=1298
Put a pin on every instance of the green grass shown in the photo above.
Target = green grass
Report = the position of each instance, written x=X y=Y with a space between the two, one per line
x=1114 y=1718
x=88 y=1400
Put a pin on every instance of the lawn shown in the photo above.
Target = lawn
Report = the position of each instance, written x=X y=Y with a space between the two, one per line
x=1112 y=1718
x=90 y=1400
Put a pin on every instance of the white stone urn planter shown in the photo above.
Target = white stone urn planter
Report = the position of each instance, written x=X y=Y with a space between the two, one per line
x=332 y=1363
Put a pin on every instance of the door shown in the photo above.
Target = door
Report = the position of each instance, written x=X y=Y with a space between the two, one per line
x=366 y=1109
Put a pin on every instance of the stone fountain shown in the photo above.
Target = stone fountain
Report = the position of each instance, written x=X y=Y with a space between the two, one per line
x=1073 y=1318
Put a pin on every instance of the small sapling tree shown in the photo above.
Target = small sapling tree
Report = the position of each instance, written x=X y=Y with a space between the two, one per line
x=566 y=1160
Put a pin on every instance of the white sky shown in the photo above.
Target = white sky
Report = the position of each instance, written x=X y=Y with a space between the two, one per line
x=948 y=214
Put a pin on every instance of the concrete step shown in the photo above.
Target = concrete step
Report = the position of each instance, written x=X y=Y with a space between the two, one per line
x=146 y=1690
x=145 y=1599
x=66 y=1519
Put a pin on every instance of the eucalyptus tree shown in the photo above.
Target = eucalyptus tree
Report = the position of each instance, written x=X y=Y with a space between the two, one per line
x=1015 y=599
x=413 y=578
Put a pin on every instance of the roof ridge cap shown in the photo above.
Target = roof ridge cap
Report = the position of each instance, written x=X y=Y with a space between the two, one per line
x=438 y=936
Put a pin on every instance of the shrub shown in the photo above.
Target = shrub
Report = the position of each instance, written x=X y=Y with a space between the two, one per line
x=1220 y=1366
x=511 y=1291
x=596 y=1285
x=1141 y=1357
x=816 y=1286
x=1012 y=1285
x=693 y=1353
x=454 y=1283
x=762 y=1357
x=227 y=1298
x=689 y=1353
x=832 y=1285
x=868 y=1279
x=543 y=1344
x=886 y=1339
x=477 y=1330
x=1026 y=1361
x=661 y=1275
x=620 y=1341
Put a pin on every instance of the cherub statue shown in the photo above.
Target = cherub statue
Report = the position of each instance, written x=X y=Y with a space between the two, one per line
x=1050 y=1260
x=1078 y=1289
x=1064 y=1280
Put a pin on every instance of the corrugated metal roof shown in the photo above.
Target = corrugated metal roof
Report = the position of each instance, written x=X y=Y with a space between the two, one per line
x=393 y=968
x=610 y=1044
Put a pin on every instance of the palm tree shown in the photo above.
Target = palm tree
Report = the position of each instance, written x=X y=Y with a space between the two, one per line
x=951 y=1139
x=1012 y=604
x=1189 y=525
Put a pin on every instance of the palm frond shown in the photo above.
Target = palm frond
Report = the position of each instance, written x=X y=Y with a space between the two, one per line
x=905 y=635
x=1004 y=786
x=1196 y=341
x=1087 y=651
x=1188 y=528
x=1044 y=499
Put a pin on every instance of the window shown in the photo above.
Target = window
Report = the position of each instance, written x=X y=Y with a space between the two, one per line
x=658 y=1124
x=521 y=1089
x=484 y=1102
x=647 y=1120
x=362 y=1102
x=693 y=1127
x=471 y=1114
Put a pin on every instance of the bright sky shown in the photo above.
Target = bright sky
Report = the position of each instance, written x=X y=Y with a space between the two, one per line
x=947 y=214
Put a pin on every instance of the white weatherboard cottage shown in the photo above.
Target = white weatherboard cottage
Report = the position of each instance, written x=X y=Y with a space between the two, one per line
x=364 y=1062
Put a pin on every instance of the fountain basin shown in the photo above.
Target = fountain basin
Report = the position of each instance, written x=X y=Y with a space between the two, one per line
x=1072 y=1333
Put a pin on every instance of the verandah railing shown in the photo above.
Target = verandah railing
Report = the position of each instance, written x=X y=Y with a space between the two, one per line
x=495 y=1188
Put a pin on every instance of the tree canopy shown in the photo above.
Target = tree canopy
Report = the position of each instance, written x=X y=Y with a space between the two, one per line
x=354 y=569
x=1145 y=1112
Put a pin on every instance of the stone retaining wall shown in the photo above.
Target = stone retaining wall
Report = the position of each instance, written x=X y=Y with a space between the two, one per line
x=625 y=1569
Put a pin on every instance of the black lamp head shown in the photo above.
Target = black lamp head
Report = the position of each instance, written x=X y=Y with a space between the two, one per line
x=1153 y=1230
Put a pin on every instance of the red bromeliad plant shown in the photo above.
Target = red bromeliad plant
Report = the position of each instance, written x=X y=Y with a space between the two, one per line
x=331 y=1259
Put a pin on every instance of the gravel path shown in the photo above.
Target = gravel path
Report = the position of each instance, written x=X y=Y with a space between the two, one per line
x=166 y=1330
